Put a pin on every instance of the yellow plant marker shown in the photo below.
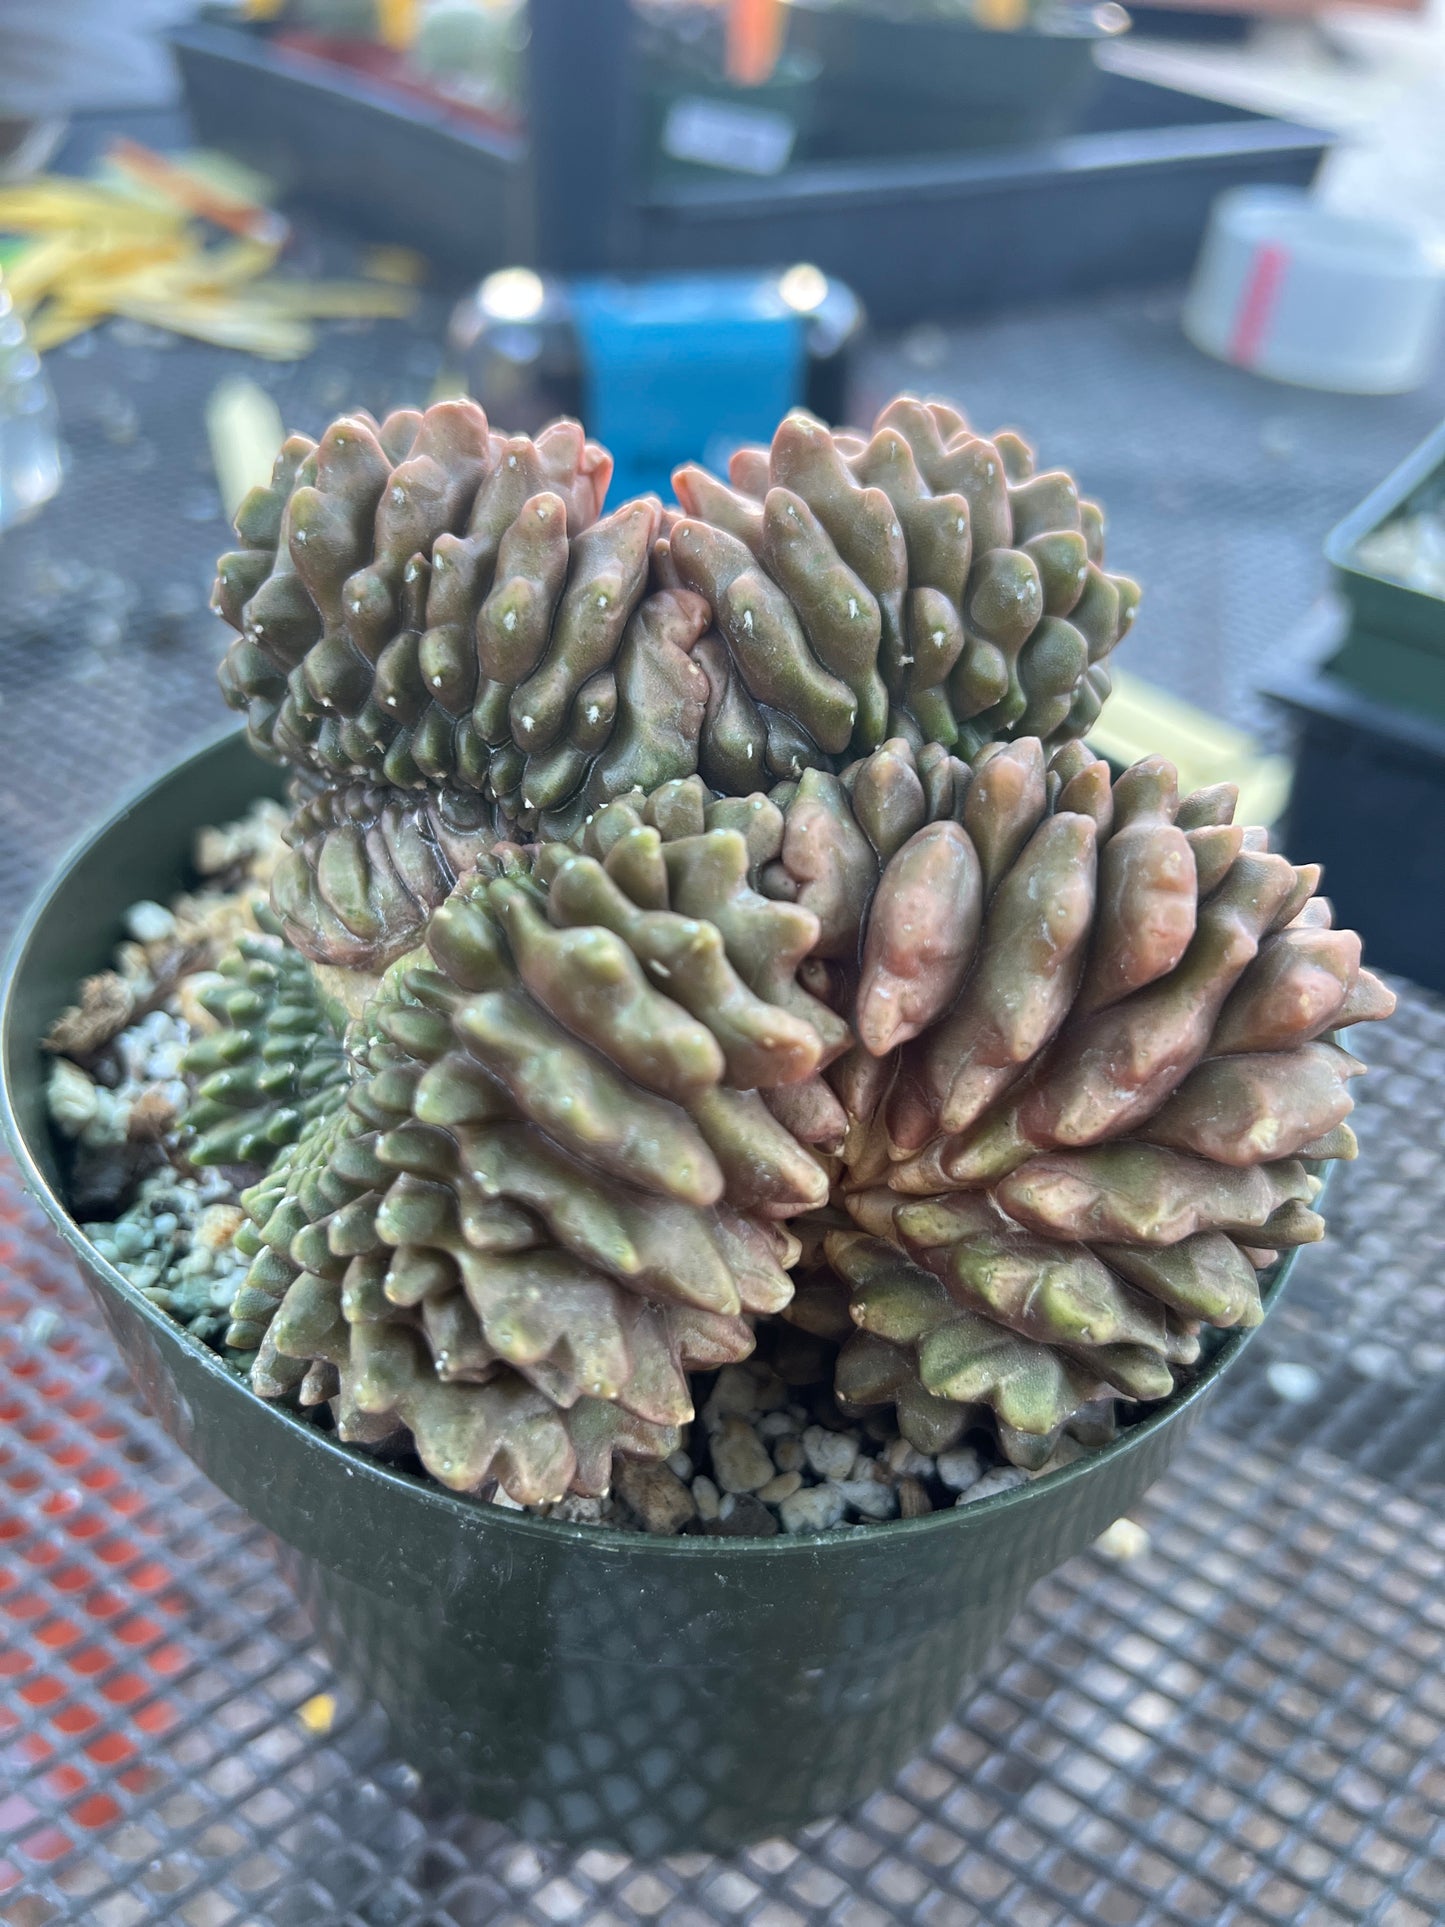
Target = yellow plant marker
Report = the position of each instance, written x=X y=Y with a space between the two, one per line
x=134 y=243
x=244 y=428
x=55 y=203
x=403 y=266
x=337 y=300
x=1141 y=720
x=396 y=23
x=31 y=273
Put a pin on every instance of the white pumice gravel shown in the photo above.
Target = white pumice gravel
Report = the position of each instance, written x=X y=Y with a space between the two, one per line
x=960 y=1467
x=905 y=1461
x=150 y=922
x=1002 y=1478
x=777 y=1425
x=1295 y=1384
x=869 y=1499
x=814 y=1509
x=832 y=1455
x=1122 y=1541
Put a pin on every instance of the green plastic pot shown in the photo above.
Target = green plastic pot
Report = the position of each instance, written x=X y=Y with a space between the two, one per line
x=1395 y=647
x=657 y=1694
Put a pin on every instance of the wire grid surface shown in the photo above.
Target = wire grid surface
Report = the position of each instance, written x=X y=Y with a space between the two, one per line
x=1245 y=1723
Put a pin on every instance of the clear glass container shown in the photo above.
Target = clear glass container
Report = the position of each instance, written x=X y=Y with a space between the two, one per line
x=30 y=465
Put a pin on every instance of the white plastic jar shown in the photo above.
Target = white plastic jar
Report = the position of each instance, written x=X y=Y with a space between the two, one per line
x=1293 y=290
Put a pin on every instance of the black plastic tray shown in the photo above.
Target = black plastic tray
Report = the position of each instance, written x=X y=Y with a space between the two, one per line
x=385 y=164
x=1121 y=202
x=1368 y=802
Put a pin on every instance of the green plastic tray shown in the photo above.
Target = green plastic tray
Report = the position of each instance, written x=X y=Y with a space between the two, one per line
x=658 y=1694
x=1395 y=647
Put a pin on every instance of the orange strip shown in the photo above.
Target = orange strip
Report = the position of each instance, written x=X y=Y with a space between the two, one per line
x=237 y=217
x=755 y=40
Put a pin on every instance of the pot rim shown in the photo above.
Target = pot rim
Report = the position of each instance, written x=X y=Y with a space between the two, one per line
x=465 y=1508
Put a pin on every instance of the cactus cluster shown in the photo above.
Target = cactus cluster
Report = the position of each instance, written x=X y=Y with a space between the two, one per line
x=737 y=935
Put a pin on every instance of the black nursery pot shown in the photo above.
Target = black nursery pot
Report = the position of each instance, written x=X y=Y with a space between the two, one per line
x=658 y=1694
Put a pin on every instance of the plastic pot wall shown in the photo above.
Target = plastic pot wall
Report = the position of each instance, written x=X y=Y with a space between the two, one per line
x=1395 y=648
x=895 y=85
x=579 y=1683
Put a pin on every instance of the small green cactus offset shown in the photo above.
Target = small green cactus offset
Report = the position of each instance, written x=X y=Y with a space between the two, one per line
x=732 y=936
x=271 y=1064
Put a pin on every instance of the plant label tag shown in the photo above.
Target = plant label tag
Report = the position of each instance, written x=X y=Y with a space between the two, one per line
x=715 y=133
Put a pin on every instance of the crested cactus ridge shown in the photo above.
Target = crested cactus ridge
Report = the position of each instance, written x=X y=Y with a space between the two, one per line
x=739 y=939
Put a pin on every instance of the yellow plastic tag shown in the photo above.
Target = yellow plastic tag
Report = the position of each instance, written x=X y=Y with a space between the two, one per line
x=1141 y=720
x=396 y=22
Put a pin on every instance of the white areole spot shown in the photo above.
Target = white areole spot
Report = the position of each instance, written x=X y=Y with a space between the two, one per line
x=436 y=682
x=593 y=712
x=398 y=493
x=509 y=621
x=747 y=622
x=853 y=606
x=529 y=722
x=391 y=702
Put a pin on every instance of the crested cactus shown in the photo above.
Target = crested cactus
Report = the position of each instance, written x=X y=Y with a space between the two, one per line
x=735 y=934
x=425 y=606
x=922 y=581
x=1095 y=1065
x=555 y=1188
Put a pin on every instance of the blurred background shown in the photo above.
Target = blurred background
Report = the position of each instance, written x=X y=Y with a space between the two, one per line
x=1194 y=253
